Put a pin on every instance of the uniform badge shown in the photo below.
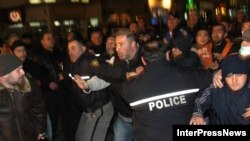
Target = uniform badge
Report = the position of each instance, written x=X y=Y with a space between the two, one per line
x=94 y=63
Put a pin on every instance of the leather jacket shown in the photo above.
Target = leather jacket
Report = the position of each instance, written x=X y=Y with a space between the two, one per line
x=22 y=112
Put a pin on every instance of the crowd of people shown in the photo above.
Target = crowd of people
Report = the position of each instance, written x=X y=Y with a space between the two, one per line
x=126 y=85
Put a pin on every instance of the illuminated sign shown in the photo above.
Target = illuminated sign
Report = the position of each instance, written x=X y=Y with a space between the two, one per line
x=15 y=16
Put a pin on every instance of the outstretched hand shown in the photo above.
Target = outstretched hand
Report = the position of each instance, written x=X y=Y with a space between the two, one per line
x=81 y=83
x=217 y=79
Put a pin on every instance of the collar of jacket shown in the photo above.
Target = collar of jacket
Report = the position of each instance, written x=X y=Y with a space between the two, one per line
x=25 y=87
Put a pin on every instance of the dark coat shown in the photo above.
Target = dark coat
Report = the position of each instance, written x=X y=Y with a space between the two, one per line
x=225 y=107
x=22 y=113
x=48 y=67
x=160 y=99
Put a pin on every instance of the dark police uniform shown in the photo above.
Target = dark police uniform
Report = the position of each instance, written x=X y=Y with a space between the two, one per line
x=96 y=106
x=160 y=98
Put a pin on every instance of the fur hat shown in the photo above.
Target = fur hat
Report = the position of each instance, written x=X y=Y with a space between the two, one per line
x=8 y=63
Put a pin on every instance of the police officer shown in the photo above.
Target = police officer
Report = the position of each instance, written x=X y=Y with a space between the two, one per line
x=96 y=106
x=161 y=97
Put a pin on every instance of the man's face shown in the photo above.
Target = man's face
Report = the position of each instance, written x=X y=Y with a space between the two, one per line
x=172 y=23
x=4 y=49
x=75 y=50
x=96 y=38
x=245 y=26
x=15 y=77
x=217 y=34
x=20 y=52
x=110 y=45
x=236 y=81
x=123 y=47
x=48 y=41
x=193 y=17
x=202 y=37
x=133 y=27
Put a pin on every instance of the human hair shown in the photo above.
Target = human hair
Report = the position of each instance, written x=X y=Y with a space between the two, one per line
x=77 y=40
x=152 y=51
x=44 y=33
x=221 y=25
x=125 y=31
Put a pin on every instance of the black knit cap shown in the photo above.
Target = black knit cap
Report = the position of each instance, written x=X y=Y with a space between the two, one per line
x=182 y=43
x=233 y=64
x=8 y=63
x=16 y=44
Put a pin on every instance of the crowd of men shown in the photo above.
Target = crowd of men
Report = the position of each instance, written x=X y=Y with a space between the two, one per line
x=128 y=85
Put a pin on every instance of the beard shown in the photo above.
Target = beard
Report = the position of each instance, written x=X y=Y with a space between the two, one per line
x=16 y=82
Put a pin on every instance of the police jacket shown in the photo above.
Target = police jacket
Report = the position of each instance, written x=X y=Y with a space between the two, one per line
x=88 y=65
x=162 y=97
x=22 y=113
x=224 y=106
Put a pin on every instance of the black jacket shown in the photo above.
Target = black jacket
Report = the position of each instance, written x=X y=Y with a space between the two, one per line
x=22 y=113
x=48 y=68
x=88 y=65
x=162 y=97
x=224 y=106
x=119 y=103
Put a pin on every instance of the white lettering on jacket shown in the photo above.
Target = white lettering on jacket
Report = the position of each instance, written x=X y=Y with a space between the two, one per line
x=168 y=102
x=165 y=100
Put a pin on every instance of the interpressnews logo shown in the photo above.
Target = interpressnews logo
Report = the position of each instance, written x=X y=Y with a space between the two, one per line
x=202 y=132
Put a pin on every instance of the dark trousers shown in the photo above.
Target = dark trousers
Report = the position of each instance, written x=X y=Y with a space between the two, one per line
x=53 y=102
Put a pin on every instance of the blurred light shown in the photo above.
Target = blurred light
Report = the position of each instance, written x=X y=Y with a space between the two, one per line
x=18 y=25
x=35 y=1
x=185 y=16
x=49 y=1
x=230 y=12
x=166 y=4
x=154 y=21
x=34 y=24
x=223 y=9
x=217 y=11
x=74 y=0
x=191 y=5
x=68 y=22
x=57 y=23
x=94 y=22
x=85 y=1
x=152 y=3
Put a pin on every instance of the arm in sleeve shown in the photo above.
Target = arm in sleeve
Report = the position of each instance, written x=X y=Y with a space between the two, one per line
x=95 y=83
x=203 y=102
x=38 y=110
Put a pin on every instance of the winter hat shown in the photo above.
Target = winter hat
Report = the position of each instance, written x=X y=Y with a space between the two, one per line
x=16 y=44
x=233 y=64
x=174 y=13
x=8 y=63
x=182 y=43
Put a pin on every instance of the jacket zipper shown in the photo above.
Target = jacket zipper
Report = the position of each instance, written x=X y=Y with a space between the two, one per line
x=15 y=114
